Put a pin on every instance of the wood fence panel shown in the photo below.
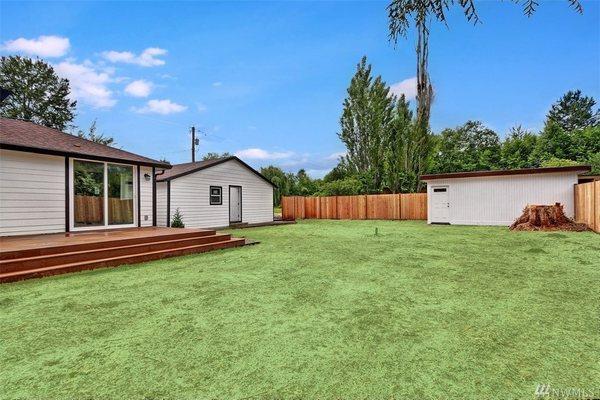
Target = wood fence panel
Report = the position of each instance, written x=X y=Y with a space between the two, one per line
x=287 y=210
x=359 y=207
x=351 y=207
x=328 y=207
x=344 y=207
x=333 y=207
x=323 y=207
x=597 y=207
x=310 y=207
x=587 y=204
x=384 y=206
x=414 y=206
x=299 y=207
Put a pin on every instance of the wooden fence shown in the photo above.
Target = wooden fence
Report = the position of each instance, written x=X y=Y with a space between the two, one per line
x=89 y=210
x=587 y=204
x=380 y=206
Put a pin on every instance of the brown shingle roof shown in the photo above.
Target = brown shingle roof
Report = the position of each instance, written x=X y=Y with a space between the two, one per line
x=188 y=168
x=524 y=171
x=27 y=136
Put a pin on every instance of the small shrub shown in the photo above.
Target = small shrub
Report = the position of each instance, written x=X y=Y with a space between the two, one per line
x=177 y=221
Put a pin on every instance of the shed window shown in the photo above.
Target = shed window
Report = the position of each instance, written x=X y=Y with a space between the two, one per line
x=439 y=190
x=216 y=195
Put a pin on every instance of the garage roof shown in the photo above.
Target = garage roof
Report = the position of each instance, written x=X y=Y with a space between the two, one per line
x=26 y=136
x=524 y=171
x=179 y=170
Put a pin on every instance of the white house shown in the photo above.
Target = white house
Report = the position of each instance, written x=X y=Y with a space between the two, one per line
x=214 y=193
x=53 y=182
x=498 y=197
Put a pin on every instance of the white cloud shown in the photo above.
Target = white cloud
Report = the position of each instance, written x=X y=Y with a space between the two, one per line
x=87 y=84
x=201 y=107
x=163 y=107
x=43 y=46
x=139 y=88
x=217 y=84
x=260 y=154
x=336 y=156
x=147 y=58
x=407 y=87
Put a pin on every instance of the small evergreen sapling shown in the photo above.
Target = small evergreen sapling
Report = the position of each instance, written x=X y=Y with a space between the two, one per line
x=177 y=221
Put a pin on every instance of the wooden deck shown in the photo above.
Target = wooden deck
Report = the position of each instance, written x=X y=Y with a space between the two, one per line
x=23 y=257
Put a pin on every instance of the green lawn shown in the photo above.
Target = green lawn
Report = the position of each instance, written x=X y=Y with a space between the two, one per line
x=320 y=309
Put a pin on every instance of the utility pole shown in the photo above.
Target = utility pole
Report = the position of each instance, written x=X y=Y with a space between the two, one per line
x=193 y=144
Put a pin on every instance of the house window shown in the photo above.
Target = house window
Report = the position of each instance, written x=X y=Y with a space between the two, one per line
x=216 y=195
x=439 y=190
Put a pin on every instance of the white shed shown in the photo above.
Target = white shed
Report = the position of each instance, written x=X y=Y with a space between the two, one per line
x=214 y=194
x=498 y=197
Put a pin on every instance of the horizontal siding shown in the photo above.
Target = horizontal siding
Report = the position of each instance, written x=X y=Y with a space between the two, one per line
x=32 y=193
x=161 y=203
x=190 y=193
x=499 y=200
x=146 y=197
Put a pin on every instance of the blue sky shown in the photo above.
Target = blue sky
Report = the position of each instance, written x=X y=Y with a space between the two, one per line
x=267 y=79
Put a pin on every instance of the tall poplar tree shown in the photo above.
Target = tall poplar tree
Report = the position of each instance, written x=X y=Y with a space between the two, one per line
x=365 y=125
x=400 y=150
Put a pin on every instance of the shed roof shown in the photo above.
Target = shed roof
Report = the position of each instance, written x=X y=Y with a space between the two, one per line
x=179 y=170
x=26 y=136
x=524 y=171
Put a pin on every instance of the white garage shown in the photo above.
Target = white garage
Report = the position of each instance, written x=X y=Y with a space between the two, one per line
x=214 y=194
x=498 y=197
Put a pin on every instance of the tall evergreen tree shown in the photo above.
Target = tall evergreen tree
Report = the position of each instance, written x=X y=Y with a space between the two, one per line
x=574 y=111
x=38 y=94
x=95 y=136
x=366 y=123
x=215 y=156
x=518 y=149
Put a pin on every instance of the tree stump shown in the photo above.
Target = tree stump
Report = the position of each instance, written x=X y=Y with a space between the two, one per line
x=546 y=218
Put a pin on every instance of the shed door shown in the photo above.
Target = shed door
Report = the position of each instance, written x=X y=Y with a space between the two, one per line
x=440 y=205
x=235 y=204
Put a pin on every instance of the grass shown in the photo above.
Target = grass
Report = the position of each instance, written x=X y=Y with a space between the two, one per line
x=321 y=309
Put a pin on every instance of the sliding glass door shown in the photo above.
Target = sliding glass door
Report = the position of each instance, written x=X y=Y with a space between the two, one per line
x=88 y=191
x=120 y=194
x=103 y=195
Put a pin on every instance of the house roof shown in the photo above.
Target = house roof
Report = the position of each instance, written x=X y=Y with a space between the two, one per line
x=524 y=171
x=26 y=136
x=180 y=170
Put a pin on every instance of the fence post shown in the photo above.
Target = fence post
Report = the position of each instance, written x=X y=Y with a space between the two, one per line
x=596 y=206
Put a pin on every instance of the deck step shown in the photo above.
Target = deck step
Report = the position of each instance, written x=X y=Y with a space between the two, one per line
x=103 y=244
x=41 y=261
x=119 y=260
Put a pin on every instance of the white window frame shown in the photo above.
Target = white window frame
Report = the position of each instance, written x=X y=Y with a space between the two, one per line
x=210 y=195
x=71 y=195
